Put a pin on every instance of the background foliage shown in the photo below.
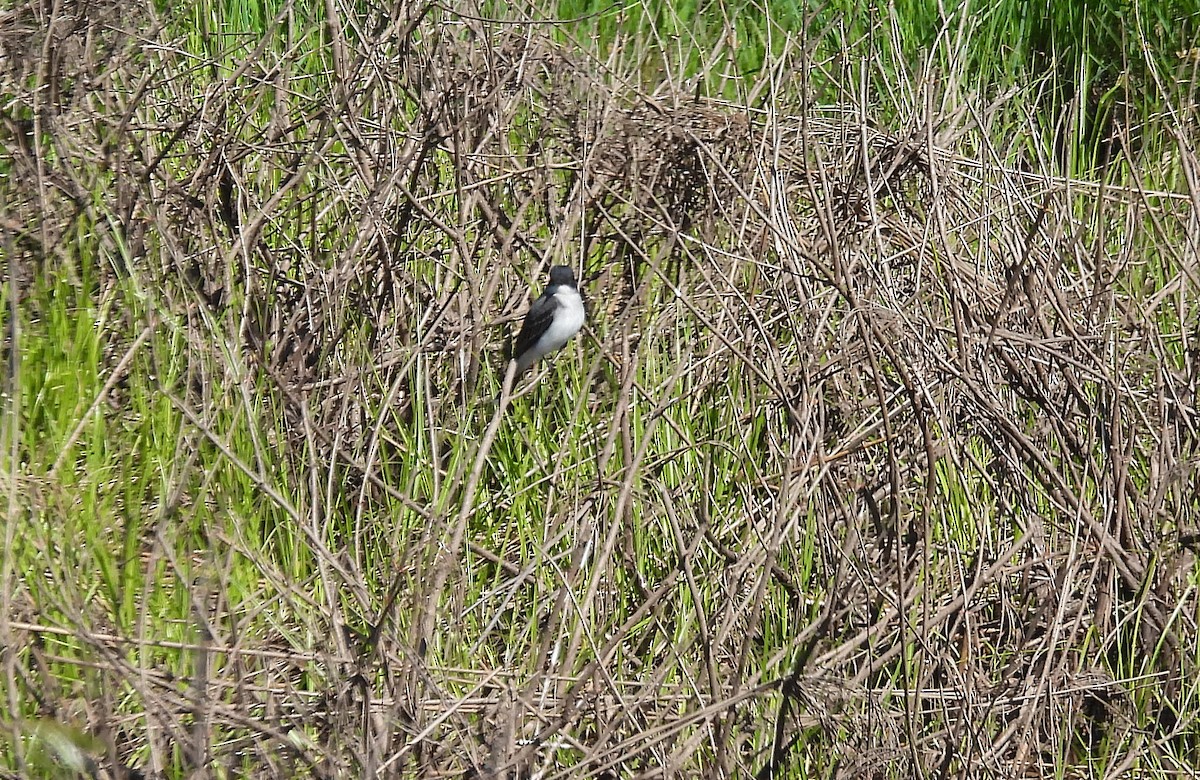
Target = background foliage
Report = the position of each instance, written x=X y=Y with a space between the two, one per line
x=876 y=458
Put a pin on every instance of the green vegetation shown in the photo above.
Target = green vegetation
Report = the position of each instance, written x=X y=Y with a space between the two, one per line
x=878 y=456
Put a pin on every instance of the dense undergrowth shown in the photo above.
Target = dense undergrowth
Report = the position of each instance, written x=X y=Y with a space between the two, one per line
x=877 y=457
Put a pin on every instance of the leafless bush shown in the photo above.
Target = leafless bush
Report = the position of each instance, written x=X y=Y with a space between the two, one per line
x=912 y=319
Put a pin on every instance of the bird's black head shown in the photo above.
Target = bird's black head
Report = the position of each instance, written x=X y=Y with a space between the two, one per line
x=561 y=274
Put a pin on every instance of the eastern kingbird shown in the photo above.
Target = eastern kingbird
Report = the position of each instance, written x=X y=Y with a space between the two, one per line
x=553 y=319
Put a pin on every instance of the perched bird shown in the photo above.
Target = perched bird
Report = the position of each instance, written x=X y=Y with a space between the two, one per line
x=553 y=319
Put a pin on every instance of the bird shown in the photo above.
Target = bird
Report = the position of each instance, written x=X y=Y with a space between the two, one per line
x=553 y=319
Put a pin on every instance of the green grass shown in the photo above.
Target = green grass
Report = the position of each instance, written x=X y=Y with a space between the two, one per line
x=242 y=532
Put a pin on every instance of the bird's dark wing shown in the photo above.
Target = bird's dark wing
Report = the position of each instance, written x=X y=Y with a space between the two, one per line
x=540 y=315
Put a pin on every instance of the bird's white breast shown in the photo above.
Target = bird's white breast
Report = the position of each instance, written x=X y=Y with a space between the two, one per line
x=568 y=319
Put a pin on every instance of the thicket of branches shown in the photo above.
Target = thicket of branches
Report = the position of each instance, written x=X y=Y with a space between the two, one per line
x=967 y=381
